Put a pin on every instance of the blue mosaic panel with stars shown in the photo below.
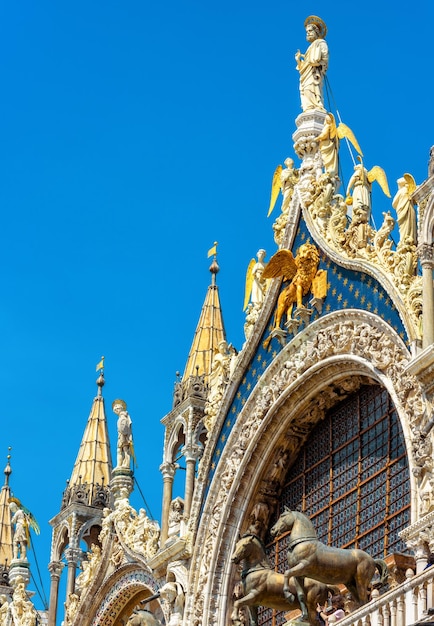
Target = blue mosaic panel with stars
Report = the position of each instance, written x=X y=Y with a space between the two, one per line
x=347 y=289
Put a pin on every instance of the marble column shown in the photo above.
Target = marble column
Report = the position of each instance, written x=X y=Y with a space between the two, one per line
x=168 y=471
x=55 y=568
x=426 y=256
x=191 y=454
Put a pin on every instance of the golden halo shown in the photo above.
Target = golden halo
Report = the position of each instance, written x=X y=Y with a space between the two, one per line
x=316 y=21
x=121 y=402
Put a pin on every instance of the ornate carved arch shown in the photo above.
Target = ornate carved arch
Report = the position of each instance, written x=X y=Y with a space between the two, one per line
x=117 y=597
x=345 y=346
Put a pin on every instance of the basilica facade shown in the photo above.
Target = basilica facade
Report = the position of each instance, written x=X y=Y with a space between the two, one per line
x=325 y=412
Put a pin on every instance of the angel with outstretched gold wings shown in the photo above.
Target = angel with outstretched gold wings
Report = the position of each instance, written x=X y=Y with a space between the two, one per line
x=255 y=282
x=328 y=141
x=22 y=520
x=284 y=180
x=361 y=185
x=404 y=206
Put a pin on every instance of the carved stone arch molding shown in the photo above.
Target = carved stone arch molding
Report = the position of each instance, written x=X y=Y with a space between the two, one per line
x=331 y=357
x=115 y=600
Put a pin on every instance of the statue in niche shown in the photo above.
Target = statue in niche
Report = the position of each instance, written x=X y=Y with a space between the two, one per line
x=176 y=513
x=258 y=520
x=404 y=207
x=172 y=594
x=222 y=368
x=125 y=437
x=312 y=65
x=89 y=568
x=280 y=466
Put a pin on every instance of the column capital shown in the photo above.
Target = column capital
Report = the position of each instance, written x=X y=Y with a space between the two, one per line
x=55 y=568
x=73 y=555
x=425 y=252
x=192 y=451
x=168 y=470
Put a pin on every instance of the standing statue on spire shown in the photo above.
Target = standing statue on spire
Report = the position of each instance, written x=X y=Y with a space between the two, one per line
x=312 y=65
x=125 y=437
x=22 y=520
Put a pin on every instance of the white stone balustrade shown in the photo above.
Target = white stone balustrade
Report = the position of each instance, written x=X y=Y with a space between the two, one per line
x=404 y=605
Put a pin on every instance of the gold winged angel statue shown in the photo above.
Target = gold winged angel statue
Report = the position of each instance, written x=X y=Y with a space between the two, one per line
x=284 y=179
x=303 y=274
x=22 y=520
x=361 y=185
x=404 y=207
x=255 y=283
x=328 y=141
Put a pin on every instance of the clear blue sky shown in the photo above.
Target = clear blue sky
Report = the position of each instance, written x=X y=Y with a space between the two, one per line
x=132 y=136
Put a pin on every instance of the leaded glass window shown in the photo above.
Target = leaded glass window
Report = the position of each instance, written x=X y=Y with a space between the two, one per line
x=351 y=478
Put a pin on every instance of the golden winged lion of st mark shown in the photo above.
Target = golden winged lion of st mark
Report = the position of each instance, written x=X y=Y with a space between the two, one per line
x=303 y=274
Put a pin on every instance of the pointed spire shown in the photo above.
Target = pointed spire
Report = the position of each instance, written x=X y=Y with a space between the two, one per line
x=6 y=552
x=92 y=469
x=210 y=329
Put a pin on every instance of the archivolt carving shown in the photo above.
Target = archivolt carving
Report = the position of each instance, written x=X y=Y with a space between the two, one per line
x=377 y=352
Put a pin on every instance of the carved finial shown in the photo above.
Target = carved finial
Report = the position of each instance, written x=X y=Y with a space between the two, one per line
x=100 y=380
x=214 y=267
x=8 y=469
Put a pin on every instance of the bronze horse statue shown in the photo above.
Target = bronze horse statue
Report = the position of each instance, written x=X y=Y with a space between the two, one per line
x=307 y=556
x=262 y=586
x=143 y=618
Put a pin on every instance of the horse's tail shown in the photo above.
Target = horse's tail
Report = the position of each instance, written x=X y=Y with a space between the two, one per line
x=383 y=570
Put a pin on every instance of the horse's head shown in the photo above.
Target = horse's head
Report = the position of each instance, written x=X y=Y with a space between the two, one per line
x=241 y=549
x=248 y=548
x=284 y=523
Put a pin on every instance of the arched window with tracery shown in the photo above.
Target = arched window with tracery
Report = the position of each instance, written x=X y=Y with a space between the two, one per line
x=351 y=479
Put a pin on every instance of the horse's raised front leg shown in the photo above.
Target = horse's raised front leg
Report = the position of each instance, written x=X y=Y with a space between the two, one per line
x=286 y=591
x=245 y=601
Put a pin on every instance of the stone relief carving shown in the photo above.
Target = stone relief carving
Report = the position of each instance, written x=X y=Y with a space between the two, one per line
x=89 y=569
x=222 y=368
x=348 y=231
x=136 y=530
x=71 y=607
x=20 y=611
x=356 y=239
x=173 y=600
